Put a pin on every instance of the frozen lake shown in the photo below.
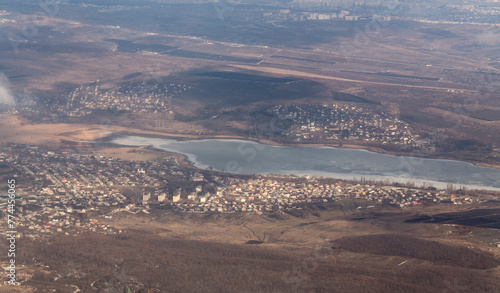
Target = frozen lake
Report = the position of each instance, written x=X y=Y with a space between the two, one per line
x=248 y=157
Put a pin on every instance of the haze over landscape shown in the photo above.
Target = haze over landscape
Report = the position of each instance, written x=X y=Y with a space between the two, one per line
x=250 y=146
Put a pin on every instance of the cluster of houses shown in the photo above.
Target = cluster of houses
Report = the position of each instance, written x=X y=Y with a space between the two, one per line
x=383 y=11
x=294 y=15
x=323 y=124
x=272 y=193
x=55 y=216
x=485 y=11
x=72 y=188
x=66 y=192
x=137 y=97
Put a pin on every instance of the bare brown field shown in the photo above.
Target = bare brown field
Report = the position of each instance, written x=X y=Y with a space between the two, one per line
x=444 y=113
x=181 y=246
x=287 y=72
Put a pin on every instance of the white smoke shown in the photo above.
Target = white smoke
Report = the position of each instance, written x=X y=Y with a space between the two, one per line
x=489 y=37
x=6 y=96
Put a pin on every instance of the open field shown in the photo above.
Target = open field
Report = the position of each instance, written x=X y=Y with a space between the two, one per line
x=299 y=253
x=317 y=76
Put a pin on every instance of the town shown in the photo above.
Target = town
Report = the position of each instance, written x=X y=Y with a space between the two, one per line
x=384 y=11
x=132 y=98
x=337 y=123
x=63 y=192
x=141 y=97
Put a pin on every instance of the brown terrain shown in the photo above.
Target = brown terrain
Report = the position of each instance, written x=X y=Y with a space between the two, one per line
x=440 y=78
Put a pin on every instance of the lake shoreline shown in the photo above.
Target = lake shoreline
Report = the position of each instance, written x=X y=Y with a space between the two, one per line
x=187 y=137
x=231 y=154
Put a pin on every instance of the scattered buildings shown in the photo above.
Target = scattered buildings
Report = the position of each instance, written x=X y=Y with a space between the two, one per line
x=68 y=193
x=135 y=98
x=326 y=124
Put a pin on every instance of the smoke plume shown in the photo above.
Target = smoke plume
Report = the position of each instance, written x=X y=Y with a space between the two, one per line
x=5 y=94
